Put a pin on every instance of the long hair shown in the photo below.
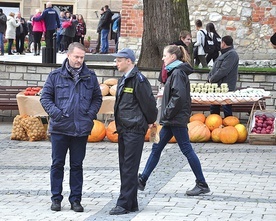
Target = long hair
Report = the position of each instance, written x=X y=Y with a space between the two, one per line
x=210 y=27
x=180 y=52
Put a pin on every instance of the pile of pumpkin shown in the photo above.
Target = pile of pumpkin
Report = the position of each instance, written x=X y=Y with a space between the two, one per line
x=228 y=130
x=109 y=87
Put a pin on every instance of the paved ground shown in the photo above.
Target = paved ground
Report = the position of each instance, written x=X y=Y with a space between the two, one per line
x=242 y=179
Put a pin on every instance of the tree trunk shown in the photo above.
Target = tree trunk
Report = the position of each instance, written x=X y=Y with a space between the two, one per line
x=163 y=21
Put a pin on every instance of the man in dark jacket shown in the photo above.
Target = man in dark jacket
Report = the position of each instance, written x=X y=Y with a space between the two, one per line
x=106 y=20
x=72 y=98
x=134 y=109
x=3 y=27
x=225 y=70
x=97 y=49
x=51 y=18
x=21 y=32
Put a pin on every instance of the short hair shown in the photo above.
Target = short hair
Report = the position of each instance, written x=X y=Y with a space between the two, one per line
x=1 y=10
x=74 y=45
x=228 y=40
x=106 y=7
x=184 y=34
x=198 y=23
x=12 y=14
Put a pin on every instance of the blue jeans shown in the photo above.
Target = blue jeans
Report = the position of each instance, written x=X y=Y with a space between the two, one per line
x=227 y=109
x=2 y=42
x=182 y=137
x=77 y=148
x=104 y=40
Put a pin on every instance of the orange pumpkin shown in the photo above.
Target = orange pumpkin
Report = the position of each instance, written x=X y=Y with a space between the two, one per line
x=229 y=135
x=198 y=116
x=194 y=123
x=242 y=131
x=111 y=128
x=199 y=133
x=104 y=89
x=97 y=133
x=213 y=121
x=215 y=134
x=230 y=121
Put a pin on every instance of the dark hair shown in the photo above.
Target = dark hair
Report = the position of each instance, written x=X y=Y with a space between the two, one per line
x=198 y=23
x=210 y=27
x=106 y=7
x=179 y=51
x=183 y=34
x=74 y=45
x=228 y=40
x=1 y=10
x=74 y=16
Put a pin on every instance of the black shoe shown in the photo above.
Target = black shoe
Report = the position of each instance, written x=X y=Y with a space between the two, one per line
x=10 y=53
x=56 y=205
x=118 y=210
x=76 y=206
x=141 y=183
x=199 y=188
x=134 y=209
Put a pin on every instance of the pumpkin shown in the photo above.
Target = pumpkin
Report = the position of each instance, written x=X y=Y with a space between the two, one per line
x=213 y=121
x=242 y=131
x=104 y=89
x=113 y=89
x=215 y=134
x=98 y=132
x=194 y=123
x=172 y=140
x=229 y=135
x=199 y=116
x=198 y=133
x=230 y=121
x=111 y=128
x=111 y=81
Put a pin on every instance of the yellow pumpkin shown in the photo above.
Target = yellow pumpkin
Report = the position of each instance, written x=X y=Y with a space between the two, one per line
x=198 y=116
x=242 y=131
x=230 y=121
x=98 y=132
x=199 y=133
x=229 y=135
x=111 y=128
x=213 y=121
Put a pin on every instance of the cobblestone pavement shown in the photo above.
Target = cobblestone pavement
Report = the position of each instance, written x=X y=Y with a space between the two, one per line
x=242 y=179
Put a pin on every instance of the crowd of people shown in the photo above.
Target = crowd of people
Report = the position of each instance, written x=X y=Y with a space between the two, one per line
x=66 y=26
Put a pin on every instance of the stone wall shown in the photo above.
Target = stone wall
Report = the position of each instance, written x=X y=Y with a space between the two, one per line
x=35 y=75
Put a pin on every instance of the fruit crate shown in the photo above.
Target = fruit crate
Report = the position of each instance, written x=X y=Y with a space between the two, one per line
x=262 y=139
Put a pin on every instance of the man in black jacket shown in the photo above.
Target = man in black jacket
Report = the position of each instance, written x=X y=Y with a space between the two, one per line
x=134 y=109
x=105 y=21
x=21 y=32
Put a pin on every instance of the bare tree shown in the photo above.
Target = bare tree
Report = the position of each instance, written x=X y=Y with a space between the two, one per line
x=163 y=21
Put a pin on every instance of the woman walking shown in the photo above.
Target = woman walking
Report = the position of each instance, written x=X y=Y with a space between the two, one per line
x=38 y=29
x=12 y=24
x=175 y=114
x=211 y=31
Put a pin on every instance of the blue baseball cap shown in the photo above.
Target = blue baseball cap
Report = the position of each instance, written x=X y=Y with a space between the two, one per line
x=125 y=53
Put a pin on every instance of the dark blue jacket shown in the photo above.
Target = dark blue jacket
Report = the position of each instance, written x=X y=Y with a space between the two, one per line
x=51 y=18
x=72 y=106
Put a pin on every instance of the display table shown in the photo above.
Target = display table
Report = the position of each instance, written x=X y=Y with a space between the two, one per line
x=30 y=105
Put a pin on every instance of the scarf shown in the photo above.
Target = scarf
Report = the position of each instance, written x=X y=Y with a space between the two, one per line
x=75 y=72
x=172 y=65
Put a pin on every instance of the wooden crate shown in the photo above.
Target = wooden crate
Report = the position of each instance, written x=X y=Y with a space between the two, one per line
x=261 y=139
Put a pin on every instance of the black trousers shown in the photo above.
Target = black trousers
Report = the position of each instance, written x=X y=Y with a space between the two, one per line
x=49 y=38
x=20 y=43
x=130 y=152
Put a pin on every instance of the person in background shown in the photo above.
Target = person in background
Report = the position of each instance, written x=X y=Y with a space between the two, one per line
x=30 y=35
x=175 y=114
x=38 y=29
x=62 y=18
x=51 y=19
x=80 y=30
x=21 y=32
x=105 y=28
x=134 y=109
x=210 y=28
x=199 y=54
x=97 y=49
x=12 y=24
x=3 y=27
x=273 y=40
x=72 y=109
x=225 y=70
x=69 y=32
x=116 y=30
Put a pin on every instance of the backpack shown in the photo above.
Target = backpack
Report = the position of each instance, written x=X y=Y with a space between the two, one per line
x=217 y=41
x=209 y=45
x=115 y=26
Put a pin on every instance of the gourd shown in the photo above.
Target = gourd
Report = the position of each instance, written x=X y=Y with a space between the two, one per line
x=113 y=89
x=111 y=136
x=242 y=131
x=97 y=132
x=213 y=121
x=229 y=135
x=215 y=135
x=104 y=89
x=198 y=132
x=111 y=81
x=230 y=121
x=198 y=116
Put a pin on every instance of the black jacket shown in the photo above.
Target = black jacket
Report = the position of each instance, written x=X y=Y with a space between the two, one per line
x=176 y=101
x=24 y=28
x=135 y=105
x=105 y=20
